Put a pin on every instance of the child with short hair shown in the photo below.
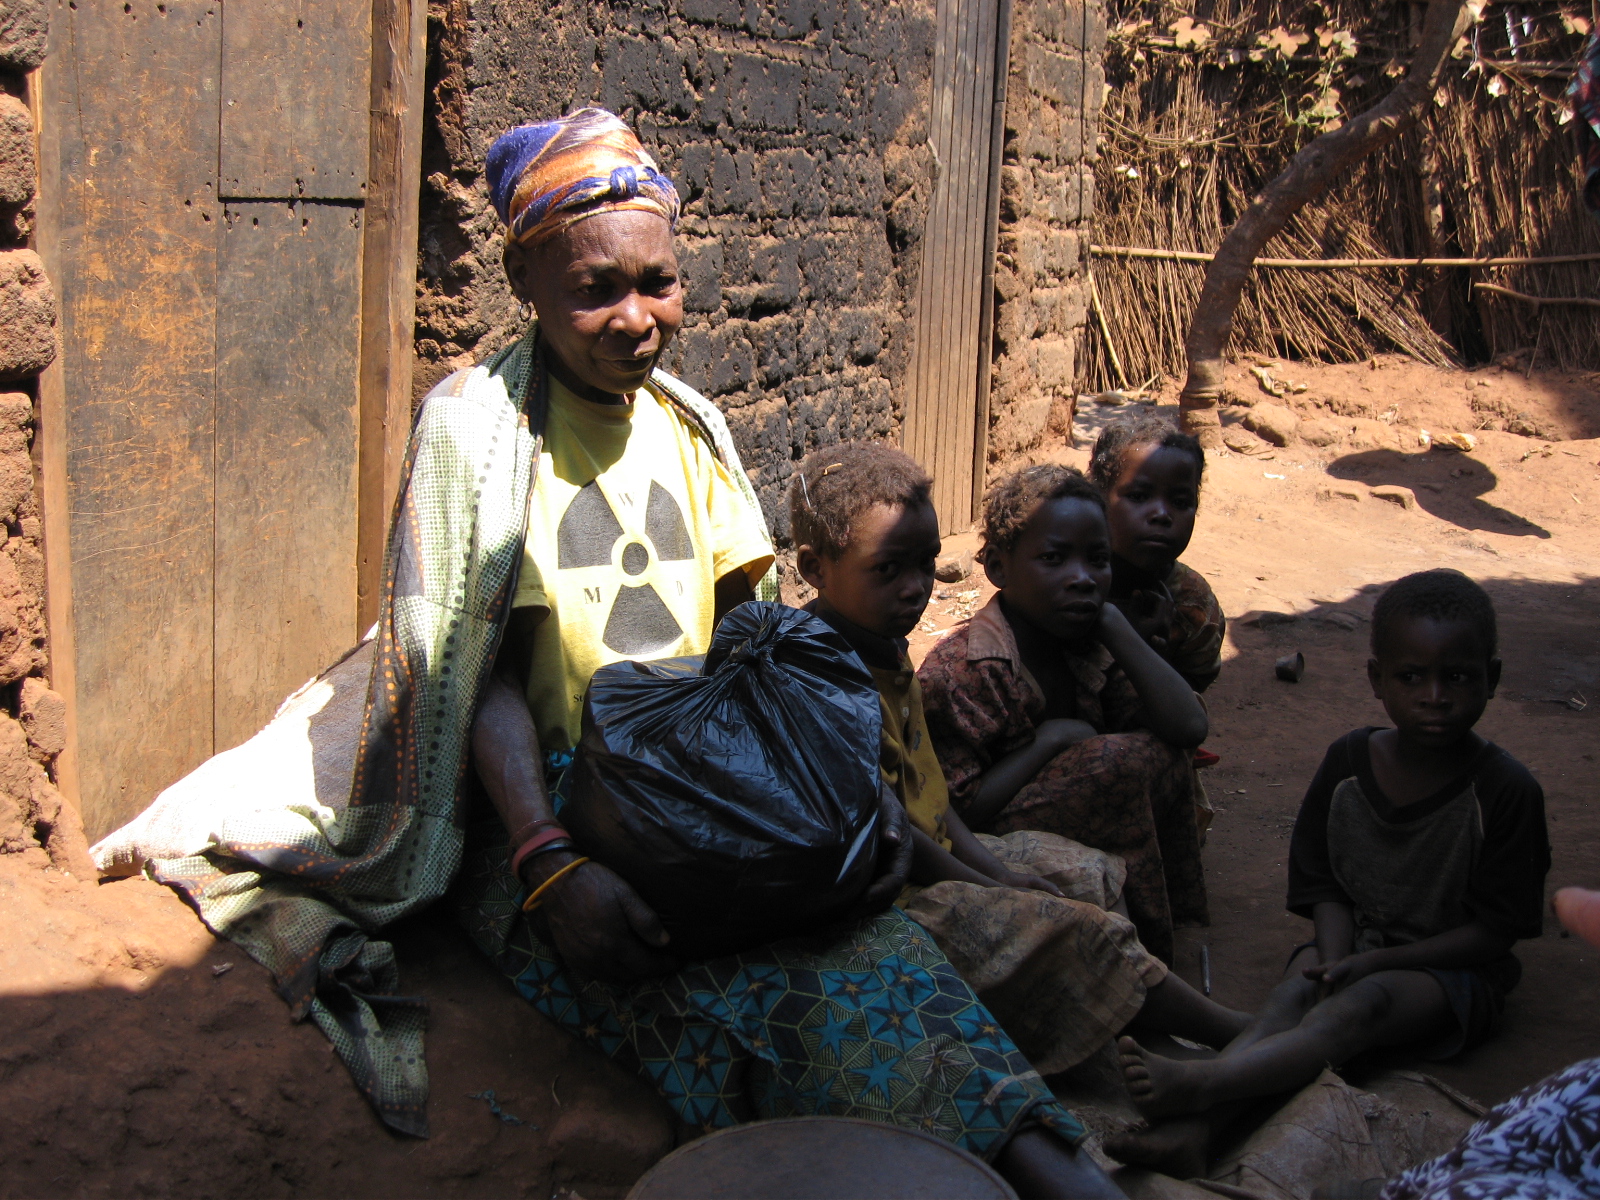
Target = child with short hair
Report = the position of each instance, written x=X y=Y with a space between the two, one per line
x=1420 y=853
x=1024 y=918
x=1150 y=473
x=1050 y=712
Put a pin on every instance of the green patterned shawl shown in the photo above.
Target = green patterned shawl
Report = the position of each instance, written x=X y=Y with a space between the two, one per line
x=304 y=895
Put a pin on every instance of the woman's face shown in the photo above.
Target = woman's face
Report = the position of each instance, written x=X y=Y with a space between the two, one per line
x=608 y=297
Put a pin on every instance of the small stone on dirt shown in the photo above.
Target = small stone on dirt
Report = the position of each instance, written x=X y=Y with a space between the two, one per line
x=1339 y=620
x=1273 y=422
x=1395 y=494
x=1266 y=620
x=953 y=568
x=1242 y=441
x=1319 y=431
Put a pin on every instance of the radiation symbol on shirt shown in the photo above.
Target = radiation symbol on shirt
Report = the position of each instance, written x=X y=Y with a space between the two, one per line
x=640 y=622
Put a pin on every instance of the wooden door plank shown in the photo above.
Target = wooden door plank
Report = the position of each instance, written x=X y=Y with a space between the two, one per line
x=941 y=425
x=132 y=253
x=296 y=87
x=991 y=226
x=50 y=455
x=288 y=345
x=389 y=277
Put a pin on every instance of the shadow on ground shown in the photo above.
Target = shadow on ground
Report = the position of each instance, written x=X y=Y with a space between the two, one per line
x=1448 y=486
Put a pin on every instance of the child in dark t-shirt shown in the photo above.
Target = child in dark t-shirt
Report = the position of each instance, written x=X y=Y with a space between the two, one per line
x=1420 y=853
x=1471 y=853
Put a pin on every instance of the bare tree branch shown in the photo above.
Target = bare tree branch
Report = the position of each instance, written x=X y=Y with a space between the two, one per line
x=1307 y=176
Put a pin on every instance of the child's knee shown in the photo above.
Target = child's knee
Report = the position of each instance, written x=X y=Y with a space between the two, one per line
x=1295 y=993
x=1353 y=1012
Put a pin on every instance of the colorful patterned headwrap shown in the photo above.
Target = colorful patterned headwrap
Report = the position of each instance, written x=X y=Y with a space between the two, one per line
x=545 y=177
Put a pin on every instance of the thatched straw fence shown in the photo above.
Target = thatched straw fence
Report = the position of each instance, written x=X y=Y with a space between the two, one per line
x=1206 y=103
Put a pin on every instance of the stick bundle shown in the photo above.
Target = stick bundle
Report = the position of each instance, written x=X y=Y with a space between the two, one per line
x=1190 y=134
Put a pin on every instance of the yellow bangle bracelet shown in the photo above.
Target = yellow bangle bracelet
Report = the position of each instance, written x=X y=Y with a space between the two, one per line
x=536 y=897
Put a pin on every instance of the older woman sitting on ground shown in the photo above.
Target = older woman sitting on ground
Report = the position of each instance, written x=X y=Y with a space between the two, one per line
x=793 y=1028
x=564 y=506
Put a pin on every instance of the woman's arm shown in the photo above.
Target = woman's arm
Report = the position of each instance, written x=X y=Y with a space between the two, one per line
x=597 y=921
x=1001 y=782
x=732 y=590
x=1171 y=710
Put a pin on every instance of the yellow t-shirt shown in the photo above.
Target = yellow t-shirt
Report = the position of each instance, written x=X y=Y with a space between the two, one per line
x=633 y=521
x=906 y=757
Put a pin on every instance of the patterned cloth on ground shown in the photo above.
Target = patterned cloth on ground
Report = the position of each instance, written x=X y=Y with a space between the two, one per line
x=1063 y=976
x=1542 y=1144
x=1128 y=793
x=871 y=1022
x=302 y=883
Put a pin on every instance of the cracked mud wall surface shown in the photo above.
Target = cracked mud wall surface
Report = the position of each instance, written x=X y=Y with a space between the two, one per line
x=796 y=132
x=35 y=822
x=1053 y=102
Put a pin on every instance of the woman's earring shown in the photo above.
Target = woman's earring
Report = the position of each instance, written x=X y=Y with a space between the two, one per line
x=525 y=312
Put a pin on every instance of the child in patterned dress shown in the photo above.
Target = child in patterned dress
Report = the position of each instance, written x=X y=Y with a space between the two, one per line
x=1150 y=473
x=1050 y=712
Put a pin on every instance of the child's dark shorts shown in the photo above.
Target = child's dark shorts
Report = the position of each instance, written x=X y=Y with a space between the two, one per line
x=1477 y=997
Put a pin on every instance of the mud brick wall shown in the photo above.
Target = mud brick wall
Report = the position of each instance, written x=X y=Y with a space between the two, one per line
x=1053 y=102
x=796 y=131
x=34 y=820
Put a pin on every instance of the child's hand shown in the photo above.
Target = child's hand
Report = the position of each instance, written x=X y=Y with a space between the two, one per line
x=1150 y=613
x=1338 y=975
x=1012 y=879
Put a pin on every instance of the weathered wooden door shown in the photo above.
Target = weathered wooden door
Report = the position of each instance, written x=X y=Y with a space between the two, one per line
x=946 y=414
x=206 y=192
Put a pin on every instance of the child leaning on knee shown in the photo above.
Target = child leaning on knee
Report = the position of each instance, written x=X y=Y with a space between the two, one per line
x=1150 y=475
x=1022 y=917
x=1420 y=854
x=1049 y=711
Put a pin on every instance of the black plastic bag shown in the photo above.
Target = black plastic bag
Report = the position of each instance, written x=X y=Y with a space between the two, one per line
x=738 y=797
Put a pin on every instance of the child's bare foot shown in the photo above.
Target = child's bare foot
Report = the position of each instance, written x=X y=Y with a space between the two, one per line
x=1179 y=1147
x=1160 y=1087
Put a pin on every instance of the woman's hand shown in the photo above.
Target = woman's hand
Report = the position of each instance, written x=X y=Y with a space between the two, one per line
x=894 y=857
x=599 y=924
x=1338 y=975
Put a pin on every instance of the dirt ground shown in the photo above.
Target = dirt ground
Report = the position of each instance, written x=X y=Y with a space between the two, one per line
x=142 y=1057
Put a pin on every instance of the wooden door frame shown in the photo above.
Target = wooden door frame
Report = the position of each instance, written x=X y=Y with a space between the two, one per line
x=388 y=317
x=388 y=280
x=991 y=234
